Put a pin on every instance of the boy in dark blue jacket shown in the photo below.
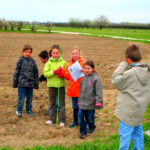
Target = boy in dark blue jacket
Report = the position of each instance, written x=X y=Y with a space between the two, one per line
x=25 y=78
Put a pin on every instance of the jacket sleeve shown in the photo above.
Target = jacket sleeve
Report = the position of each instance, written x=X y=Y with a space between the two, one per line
x=47 y=72
x=17 y=73
x=36 y=76
x=99 y=91
x=121 y=76
x=65 y=73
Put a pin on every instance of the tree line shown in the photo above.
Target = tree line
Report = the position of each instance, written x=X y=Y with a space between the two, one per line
x=100 y=22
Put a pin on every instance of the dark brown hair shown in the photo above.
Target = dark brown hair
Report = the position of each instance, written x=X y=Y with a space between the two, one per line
x=90 y=63
x=133 y=53
x=54 y=47
x=26 y=47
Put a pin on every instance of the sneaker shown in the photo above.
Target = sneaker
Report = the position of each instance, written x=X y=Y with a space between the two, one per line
x=47 y=112
x=19 y=114
x=62 y=124
x=147 y=132
x=82 y=136
x=72 y=125
x=49 y=122
x=91 y=130
x=30 y=113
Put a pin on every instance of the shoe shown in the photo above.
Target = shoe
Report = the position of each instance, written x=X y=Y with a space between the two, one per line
x=61 y=124
x=47 y=112
x=147 y=132
x=30 y=113
x=19 y=114
x=91 y=131
x=72 y=125
x=49 y=122
x=82 y=136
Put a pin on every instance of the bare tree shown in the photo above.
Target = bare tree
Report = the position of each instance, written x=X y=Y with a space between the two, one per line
x=19 y=25
x=74 y=22
x=1 y=24
x=12 y=25
x=34 y=26
x=6 y=25
x=102 y=21
x=87 y=23
x=49 y=25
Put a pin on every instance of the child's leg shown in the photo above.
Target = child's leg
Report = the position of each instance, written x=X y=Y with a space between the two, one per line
x=29 y=95
x=61 y=102
x=52 y=97
x=137 y=138
x=21 y=97
x=83 y=129
x=75 y=111
x=125 y=133
x=91 y=120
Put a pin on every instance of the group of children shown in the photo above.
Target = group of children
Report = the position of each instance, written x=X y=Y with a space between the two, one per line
x=131 y=78
x=86 y=92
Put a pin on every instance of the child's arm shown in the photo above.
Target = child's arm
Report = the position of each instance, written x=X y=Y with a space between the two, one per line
x=36 y=76
x=47 y=72
x=121 y=76
x=65 y=73
x=17 y=73
x=99 y=93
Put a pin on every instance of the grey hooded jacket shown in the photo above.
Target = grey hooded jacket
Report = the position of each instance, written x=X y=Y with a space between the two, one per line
x=26 y=73
x=134 y=87
x=90 y=92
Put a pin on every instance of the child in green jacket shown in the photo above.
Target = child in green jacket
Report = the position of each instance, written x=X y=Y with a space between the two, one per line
x=56 y=84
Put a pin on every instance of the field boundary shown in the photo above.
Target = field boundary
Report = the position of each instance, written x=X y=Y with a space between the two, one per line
x=98 y=35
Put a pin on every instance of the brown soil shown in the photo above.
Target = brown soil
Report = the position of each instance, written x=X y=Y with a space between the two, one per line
x=26 y=132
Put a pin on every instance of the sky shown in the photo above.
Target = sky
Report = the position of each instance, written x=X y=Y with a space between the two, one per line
x=116 y=11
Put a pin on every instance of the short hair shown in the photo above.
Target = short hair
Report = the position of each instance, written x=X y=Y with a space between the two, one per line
x=56 y=46
x=43 y=54
x=26 y=47
x=133 y=53
x=90 y=63
x=76 y=47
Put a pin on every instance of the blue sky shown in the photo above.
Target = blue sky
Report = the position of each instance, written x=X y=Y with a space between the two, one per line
x=61 y=10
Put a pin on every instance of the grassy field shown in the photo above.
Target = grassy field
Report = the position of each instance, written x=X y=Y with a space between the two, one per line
x=128 y=33
x=131 y=33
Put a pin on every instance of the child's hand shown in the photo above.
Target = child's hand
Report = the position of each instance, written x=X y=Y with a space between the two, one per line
x=82 y=70
x=129 y=61
x=99 y=105
x=60 y=75
x=78 y=103
x=58 y=71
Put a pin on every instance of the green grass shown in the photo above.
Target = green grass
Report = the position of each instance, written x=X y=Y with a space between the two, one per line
x=130 y=33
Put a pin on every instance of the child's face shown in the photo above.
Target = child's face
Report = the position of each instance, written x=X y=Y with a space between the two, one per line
x=88 y=69
x=43 y=60
x=55 y=53
x=27 y=53
x=75 y=54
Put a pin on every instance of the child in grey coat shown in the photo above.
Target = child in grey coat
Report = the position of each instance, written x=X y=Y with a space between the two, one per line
x=90 y=98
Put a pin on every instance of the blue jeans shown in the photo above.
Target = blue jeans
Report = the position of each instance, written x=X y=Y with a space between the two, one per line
x=127 y=132
x=86 y=117
x=22 y=93
x=75 y=103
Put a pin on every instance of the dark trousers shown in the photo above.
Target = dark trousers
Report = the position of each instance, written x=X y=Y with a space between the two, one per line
x=24 y=92
x=53 y=93
x=86 y=117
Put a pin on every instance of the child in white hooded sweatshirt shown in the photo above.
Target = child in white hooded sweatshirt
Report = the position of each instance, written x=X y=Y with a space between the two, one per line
x=132 y=79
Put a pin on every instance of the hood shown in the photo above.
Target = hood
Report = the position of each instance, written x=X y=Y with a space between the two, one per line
x=55 y=60
x=79 y=60
x=22 y=58
x=92 y=74
x=143 y=73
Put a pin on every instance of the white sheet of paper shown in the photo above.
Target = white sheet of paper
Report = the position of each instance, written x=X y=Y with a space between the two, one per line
x=75 y=71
